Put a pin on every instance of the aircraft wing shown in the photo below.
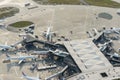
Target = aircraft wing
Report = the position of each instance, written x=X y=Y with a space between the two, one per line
x=3 y=46
x=21 y=61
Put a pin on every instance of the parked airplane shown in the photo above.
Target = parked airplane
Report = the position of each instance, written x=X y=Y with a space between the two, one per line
x=48 y=34
x=20 y=59
x=56 y=52
x=40 y=52
x=115 y=55
x=46 y=67
x=112 y=30
x=6 y=47
x=104 y=46
x=60 y=53
x=30 y=78
x=116 y=30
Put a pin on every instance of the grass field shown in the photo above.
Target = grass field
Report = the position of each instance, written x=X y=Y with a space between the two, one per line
x=21 y=24
x=72 y=2
x=104 y=3
x=8 y=12
x=64 y=1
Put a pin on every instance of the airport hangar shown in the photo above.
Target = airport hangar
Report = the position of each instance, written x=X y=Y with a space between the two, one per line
x=91 y=61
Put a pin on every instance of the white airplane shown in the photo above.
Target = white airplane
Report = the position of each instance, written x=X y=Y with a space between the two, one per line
x=48 y=34
x=30 y=78
x=60 y=53
x=116 y=55
x=116 y=30
x=20 y=59
x=40 y=52
x=112 y=30
x=6 y=47
x=56 y=52
x=104 y=46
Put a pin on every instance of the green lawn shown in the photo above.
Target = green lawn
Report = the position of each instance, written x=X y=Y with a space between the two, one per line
x=72 y=2
x=104 y=3
x=21 y=24
x=64 y=1
x=8 y=12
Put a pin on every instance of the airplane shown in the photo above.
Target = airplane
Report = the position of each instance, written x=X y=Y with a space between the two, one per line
x=115 y=55
x=6 y=47
x=116 y=30
x=60 y=53
x=104 y=46
x=30 y=78
x=20 y=59
x=43 y=52
x=46 y=67
x=112 y=30
x=56 y=52
x=48 y=34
